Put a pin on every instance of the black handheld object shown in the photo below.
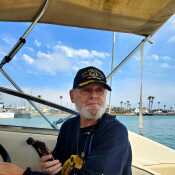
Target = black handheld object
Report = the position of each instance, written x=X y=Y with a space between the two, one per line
x=4 y=154
x=39 y=146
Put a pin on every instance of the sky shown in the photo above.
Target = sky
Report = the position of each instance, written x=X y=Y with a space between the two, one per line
x=48 y=62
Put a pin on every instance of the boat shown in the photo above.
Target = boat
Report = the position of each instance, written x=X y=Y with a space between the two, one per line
x=6 y=115
x=11 y=112
x=131 y=16
x=14 y=115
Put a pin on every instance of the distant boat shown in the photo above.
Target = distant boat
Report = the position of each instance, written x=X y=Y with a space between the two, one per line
x=144 y=111
x=15 y=115
x=11 y=112
x=7 y=115
x=22 y=115
x=165 y=113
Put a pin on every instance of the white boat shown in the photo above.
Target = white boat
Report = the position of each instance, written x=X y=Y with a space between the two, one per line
x=7 y=115
x=14 y=115
x=132 y=16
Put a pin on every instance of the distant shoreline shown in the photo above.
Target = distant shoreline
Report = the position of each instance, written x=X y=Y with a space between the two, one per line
x=151 y=114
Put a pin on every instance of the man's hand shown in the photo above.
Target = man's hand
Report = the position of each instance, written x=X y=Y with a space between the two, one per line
x=10 y=169
x=49 y=165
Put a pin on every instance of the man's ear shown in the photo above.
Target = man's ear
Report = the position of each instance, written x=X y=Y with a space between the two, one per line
x=71 y=93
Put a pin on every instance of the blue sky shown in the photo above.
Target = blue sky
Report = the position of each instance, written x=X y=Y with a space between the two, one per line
x=52 y=54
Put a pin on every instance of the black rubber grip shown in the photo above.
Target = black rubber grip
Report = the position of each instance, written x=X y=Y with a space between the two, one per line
x=39 y=146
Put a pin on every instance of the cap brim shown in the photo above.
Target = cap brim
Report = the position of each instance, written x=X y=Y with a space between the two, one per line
x=106 y=86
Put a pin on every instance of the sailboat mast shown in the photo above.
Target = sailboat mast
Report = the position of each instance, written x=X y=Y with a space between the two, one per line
x=112 y=66
x=141 y=119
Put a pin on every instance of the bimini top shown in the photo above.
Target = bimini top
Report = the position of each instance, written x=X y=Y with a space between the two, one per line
x=141 y=17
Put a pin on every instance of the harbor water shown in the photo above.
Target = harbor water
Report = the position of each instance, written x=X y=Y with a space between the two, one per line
x=158 y=128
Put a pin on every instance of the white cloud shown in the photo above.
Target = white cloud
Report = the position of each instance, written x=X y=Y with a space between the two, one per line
x=136 y=57
x=28 y=59
x=9 y=40
x=48 y=46
x=155 y=57
x=48 y=62
x=75 y=68
x=85 y=62
x=52 y=62
x=80 y=53
x=165 y=65
x=166 y=58
x=99 y=54
x=30 y=49
x=2 y=53
x=57 y=59
x=172 y=39
x=94 y=62
x=37 y=43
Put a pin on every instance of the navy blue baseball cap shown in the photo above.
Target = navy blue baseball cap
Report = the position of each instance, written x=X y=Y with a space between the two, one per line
x=89 y=75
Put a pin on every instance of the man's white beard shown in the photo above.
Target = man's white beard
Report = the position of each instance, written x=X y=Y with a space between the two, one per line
x=84 y=113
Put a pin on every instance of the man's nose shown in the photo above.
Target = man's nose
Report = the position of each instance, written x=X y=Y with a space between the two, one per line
x=93 y=93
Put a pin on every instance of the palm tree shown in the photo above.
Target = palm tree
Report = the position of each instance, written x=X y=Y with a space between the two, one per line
x=158 y=105
x=152 y=100
x=150 y=104
x=39 y=96
x=164 y=107
x=61 y=98
x=124 y=106
x=121 y=105
x=127 y=104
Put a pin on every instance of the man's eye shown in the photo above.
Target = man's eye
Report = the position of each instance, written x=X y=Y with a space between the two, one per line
x=87 y=90
x=100 y=89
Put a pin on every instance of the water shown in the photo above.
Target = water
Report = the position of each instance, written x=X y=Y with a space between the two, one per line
x=158 y=128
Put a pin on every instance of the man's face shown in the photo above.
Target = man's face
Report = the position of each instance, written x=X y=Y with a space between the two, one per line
x=90 y=100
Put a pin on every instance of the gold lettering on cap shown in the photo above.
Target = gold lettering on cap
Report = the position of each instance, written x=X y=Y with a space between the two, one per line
x=93 y=73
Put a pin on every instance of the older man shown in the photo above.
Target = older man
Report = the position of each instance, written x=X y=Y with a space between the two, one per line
x=95 y=137
x=98 y=138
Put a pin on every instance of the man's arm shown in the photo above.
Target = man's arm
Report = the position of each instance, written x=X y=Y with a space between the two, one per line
x=127 y=169
x=9 y=168
x=13 y=169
